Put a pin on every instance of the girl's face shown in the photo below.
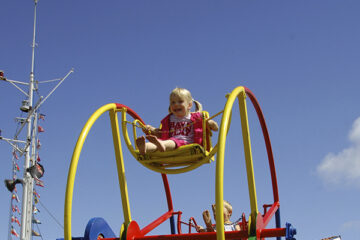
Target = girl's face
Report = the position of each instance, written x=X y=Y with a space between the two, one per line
x=179 y=106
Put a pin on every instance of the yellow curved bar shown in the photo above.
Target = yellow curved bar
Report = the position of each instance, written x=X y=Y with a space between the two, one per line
x=136 y=123
x=73 y=167
x=205 y=115
x=224 y=127
x=120 y=166
x=126 y=134
x=248 y=158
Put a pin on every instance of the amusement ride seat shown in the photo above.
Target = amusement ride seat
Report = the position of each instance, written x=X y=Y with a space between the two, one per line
x=179 y=160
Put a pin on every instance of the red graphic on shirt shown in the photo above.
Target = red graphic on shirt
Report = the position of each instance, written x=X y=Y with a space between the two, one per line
x=180 y=128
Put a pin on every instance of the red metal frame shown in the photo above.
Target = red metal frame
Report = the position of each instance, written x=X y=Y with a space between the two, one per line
x=267 y=143
x=189 y=224
x=156 y=223
x=270 y=213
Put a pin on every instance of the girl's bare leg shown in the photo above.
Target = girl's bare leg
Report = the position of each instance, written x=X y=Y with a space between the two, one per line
x=145 y=147
x=162 y=145
x=140 y=143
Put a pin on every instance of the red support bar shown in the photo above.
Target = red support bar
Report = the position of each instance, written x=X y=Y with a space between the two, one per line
x=266 y=206
x=193 y=219
x=270 y=213
x=192 y=225
x=267 y=143
x=275 y=232
x=178 y=221
x=156 y=223
x=167 y=191
x=235 y=235
x=130 y=111
x=189 y=226
x=264 y=233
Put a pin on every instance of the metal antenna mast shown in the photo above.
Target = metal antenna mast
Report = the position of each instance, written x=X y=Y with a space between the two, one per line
x=29 y=148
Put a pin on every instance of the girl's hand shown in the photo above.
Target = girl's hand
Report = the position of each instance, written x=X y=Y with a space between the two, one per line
x=207 y=221
x=148 y=129
x=199 y=228
x=213 y=125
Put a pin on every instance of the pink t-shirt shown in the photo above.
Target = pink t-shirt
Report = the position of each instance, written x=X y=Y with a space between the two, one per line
x=181 y=128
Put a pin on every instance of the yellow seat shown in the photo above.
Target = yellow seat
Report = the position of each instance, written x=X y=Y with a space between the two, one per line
x=182 y=159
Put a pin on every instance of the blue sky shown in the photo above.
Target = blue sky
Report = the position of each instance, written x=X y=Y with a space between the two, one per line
x=300 y=58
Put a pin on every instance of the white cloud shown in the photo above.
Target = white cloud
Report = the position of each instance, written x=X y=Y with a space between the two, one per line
x=354 y=134
x=351 y=225
x=343 y=167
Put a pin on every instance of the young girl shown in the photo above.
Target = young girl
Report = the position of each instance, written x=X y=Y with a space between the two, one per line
x=228 y=225
x=179 y=128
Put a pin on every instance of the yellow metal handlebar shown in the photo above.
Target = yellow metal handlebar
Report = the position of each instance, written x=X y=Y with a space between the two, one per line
x=239 y=93
x=75 y=159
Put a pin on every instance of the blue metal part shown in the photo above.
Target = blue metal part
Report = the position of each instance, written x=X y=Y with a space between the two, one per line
x=290 y=232
x=172 y=225
x=94 y=228
x=278 y=221
x=97 y=226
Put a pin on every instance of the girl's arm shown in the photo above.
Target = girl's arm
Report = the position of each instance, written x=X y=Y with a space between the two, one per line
x=200 y=228
x=150 y=130
x=157 y=132
x=213 y=125
x=207 y=221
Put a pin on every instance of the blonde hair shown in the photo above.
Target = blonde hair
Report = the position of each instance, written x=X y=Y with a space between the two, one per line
x=228 y=206
x=184 y=93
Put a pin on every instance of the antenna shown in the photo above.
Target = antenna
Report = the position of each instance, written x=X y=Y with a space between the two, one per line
x=29 y=145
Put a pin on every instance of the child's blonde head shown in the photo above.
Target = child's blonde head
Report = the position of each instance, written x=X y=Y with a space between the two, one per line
x=186 y=95
x=227 y=210
x=228 y=206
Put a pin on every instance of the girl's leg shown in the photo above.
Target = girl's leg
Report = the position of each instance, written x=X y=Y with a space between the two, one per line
x=162 y=145
x=140 y=143
x=145 y=146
